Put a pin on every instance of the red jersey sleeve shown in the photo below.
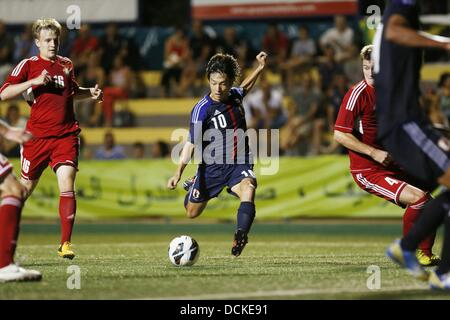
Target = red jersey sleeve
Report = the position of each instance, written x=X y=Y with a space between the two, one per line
x=350 y=109
x=18 y=75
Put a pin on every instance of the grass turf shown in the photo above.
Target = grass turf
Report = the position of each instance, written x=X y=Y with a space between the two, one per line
x=310 y=260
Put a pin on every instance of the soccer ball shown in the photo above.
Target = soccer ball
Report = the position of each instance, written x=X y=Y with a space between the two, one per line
x=183 y=251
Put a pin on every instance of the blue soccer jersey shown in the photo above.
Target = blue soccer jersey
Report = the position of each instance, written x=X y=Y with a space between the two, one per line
x=219 y=129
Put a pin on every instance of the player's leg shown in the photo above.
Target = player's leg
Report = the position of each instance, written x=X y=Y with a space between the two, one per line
x=434 y=214
x=12 y=197
x=206 y=184
x=29 y=185
x=440 y=278
x=64 y=163
x=386 y=184
x=243 y=184
x=415 y=199
x=67 y=208
x=194 y=209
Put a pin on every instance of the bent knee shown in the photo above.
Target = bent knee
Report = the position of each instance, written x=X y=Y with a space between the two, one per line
x=248 y=186
x=192 y=213
x=418 y=195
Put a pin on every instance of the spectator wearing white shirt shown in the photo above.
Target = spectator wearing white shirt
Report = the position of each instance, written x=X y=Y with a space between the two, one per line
x=340 y=37
x=301 y=55
x=264 y=107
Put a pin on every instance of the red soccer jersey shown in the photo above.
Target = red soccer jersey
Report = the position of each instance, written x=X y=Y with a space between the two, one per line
x=52 y=113
x=357 y=116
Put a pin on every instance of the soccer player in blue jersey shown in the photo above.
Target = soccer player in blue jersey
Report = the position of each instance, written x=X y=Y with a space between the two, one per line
x=407 y=134
x=217 y=128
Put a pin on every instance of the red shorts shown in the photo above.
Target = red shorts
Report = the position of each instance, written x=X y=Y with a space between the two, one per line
x=5 y=167
x=382 y=183
x=38 y=153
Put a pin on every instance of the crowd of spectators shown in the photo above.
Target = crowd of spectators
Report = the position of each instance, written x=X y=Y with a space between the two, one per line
x=314 y=74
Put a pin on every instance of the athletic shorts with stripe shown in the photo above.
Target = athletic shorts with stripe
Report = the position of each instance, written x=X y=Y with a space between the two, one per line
x=38 y=154
x=385 y=184
x=211 y=179
x=420 y=151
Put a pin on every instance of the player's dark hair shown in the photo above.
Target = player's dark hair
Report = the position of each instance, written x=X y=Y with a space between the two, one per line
x=224 y=64
x=366 y=52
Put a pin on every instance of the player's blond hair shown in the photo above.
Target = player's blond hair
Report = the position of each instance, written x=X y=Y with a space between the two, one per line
x=366 y=52
x=45 y=23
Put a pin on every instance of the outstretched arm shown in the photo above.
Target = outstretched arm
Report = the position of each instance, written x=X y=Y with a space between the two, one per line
x=249 y=82
x=186 y=155
x=95 y=93
x=399 y=32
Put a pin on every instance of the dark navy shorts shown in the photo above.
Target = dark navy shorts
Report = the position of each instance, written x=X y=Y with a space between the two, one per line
x=211 y=179
x=416 y=146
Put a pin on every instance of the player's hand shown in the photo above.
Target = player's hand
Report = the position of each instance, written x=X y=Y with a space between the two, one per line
x=261 y=58
x=381 y=156
x=173 y=181
x=96 y=93
x=42 y=79
x=18 y=135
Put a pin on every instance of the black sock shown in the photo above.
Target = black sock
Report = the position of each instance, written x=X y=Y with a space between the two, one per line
x=245 y=215
x=444 y=265
x=431 y=217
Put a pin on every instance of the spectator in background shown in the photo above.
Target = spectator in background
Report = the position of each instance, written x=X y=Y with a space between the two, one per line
x=111 y=45
x=275 y=44
x=138 y=150
x=229 y=43
x=340 y=38
x=109 y=150
x=328 y=67
x=301 y=55
x=160 y=149
x=306 y=119
x=89 y=111
x=352 y=64
x=444 y=94
x=84 y=44
x=176 y=52
x=201 y=49
x=264 y=107
x=24 y=45
x=6 y=52
x=119 y=87
x=13 y=118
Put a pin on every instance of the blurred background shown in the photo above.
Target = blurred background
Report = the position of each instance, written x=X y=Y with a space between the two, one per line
x=150 y=56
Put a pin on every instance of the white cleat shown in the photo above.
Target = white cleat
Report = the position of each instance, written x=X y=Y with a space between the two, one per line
x=13 y=272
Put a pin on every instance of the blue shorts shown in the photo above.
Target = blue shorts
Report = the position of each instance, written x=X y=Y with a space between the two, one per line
x=211 y=179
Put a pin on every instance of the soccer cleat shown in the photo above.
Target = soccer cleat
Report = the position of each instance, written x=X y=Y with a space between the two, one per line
x=188 y=183
x=240 y=240
x=13 y=272
x=441 y=282
x=65 y=251
x=407 y=260
x=427 y=260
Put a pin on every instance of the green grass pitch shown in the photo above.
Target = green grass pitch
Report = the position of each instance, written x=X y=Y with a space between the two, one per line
x=306 y=260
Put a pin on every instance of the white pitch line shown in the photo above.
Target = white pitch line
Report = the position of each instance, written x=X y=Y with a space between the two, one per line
x=283 y=293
